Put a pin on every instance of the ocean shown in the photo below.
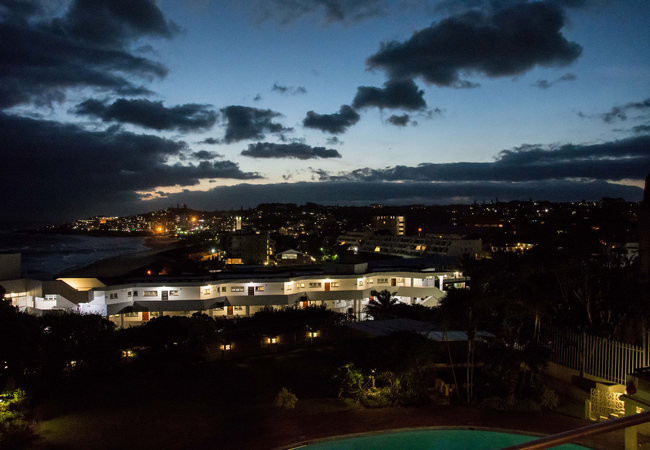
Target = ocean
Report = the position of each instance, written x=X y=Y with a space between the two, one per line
x=45 y=255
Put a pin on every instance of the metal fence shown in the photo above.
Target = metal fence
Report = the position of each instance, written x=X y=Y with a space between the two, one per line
x=603 y=358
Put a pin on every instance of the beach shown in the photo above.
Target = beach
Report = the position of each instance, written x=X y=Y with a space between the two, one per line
x=123 y=264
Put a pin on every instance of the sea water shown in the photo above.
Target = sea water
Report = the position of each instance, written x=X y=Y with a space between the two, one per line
x=45 y=255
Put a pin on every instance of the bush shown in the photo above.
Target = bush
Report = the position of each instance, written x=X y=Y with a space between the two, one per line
x=285 y=399
x=13 y=412
x=352 y=382
x=549 y=399
x=378 y=398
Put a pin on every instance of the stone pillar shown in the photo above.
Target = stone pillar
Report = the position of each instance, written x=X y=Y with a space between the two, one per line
x=442 y=283
x=630 y=432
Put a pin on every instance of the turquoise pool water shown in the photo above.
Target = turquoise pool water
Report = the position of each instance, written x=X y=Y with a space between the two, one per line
x=431 y=440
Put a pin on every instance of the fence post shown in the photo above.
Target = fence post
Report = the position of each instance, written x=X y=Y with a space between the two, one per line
x=583 y=352
x=645 y=349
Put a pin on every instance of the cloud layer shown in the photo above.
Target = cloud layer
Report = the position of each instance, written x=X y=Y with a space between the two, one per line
x=294 y=150
x=330 y=10
x=244 y=122
x=509 y=42
x=85 y=48
x=396 y=94
x=363 y=193
x=55 y=169
x=153 y=115
x=617 y=160
x=336 y=123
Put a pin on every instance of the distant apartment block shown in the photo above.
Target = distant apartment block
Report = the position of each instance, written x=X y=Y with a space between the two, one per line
x=394 y=224
x=419 y=247
x=247 y=247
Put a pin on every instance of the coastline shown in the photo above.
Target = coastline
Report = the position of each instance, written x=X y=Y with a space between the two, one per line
x=121 y=265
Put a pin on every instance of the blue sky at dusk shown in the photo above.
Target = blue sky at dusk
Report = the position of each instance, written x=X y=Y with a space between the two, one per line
x=122 y=106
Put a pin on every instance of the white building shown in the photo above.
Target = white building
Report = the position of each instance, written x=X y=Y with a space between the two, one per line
x=343 y=288
x=134 y=303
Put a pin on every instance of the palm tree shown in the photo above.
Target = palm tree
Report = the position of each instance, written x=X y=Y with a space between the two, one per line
x=381 y=303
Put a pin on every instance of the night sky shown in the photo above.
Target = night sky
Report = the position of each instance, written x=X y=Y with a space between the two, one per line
x=122 y=106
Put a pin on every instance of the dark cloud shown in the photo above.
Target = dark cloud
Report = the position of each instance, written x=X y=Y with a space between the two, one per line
x=88 y=47
x=148 y=114
x=57 y=169
x=615 y=161
x=250 y=123
x=210 y=141
x=287 y=11
x=206 y=155
x=620 y=112
x=508 y=42
x=396 y=94
x=545 y=84
x=286 y=139
x=364 y=193
x=641 y=129
x=400 y=121
x=334 y=141
x=288 y=89
x=294 y=150
x=336 y=123
x=459 y=6
x=112 y=22
x=257 y=98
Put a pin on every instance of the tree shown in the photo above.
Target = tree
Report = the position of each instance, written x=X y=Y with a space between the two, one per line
x=381 y=304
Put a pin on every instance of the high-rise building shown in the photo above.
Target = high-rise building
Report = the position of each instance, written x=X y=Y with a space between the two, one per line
x=248 y=247
x=394 y=224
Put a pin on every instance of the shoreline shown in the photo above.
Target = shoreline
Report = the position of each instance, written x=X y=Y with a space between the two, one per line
x=117 y=266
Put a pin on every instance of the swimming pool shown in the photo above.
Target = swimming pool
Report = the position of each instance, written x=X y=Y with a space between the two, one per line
x=430 y=439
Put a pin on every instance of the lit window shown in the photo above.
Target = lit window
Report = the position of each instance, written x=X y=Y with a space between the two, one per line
x=237 y=289
x=259 y=288
x=315 y=285
x=173 y=293
x=150 y=293
x=129 y=294
x=132 y=314
x=289 y=287
x=206 y=291
x=302 y=285
x=111 y=296
x=335 y=284
x=371 y=281
x=382 y=280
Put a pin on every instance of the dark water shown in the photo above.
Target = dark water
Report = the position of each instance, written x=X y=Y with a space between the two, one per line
x=44 y=255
